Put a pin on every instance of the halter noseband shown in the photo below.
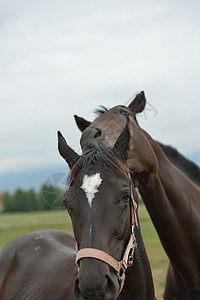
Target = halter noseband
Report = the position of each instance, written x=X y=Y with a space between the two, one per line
x=127 y=260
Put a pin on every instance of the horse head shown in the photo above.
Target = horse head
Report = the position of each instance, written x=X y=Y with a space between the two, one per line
x=107 y=128
x=99 y=200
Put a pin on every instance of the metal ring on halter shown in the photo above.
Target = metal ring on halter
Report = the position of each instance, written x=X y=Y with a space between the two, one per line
x=122 y=270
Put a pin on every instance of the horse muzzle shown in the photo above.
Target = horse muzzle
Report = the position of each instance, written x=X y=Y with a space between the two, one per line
x=95 y=281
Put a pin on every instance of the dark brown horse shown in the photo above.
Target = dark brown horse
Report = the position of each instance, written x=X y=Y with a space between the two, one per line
x=100 y=200
x=172 y=200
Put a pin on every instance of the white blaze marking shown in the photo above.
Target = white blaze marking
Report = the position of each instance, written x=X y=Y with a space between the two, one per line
x=90 y=186
x=90 y=230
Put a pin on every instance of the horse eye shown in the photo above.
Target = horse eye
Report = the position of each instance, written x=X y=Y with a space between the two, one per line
x=124 y=113
x=126 y=196
x=65 y=202
x=68 y=198
x=68 y=208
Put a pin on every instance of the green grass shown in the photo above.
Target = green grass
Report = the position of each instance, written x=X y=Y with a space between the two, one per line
x=15 y=224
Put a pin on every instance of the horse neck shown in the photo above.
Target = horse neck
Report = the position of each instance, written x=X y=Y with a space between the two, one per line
x=180 y=191
x=140 y=272
x=190 y=169
x=172 y=201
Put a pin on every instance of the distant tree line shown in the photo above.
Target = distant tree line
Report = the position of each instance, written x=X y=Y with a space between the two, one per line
x=48 y=198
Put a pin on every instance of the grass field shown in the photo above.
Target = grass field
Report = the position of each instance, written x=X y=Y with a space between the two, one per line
x=15 y=224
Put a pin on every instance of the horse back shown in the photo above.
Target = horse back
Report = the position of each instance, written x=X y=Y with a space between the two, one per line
x=38 y=265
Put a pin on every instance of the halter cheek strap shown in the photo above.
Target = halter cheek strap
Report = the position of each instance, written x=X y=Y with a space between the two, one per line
x=127 y=260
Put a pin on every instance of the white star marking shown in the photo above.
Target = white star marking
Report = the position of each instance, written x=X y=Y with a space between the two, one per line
x=90 y=186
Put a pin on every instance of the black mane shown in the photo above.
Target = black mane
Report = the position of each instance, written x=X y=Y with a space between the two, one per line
x=101 y=110
x=190 y=169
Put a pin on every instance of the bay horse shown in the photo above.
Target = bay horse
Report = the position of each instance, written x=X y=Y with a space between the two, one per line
x=172 y=199
x=102 y=203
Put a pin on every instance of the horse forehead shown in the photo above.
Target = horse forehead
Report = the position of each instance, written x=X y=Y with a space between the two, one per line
x=112 y=122
x=110 y=115
x=90 y=185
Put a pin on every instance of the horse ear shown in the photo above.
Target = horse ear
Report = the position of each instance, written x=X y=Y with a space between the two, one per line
x=69 y=155
x=138 y=104
x=121 y=146
x=81 y=123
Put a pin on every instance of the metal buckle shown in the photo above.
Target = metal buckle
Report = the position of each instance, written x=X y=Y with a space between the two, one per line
x=131 y=255
x=122 y=270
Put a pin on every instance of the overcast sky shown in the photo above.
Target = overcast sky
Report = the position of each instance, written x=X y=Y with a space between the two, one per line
x=60 y=58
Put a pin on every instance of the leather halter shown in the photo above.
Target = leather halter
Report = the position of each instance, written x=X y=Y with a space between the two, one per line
x=127 y=260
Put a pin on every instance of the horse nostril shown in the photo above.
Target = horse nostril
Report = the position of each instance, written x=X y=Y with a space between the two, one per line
x=77 y=291
x=98 y=133
x=110 y=286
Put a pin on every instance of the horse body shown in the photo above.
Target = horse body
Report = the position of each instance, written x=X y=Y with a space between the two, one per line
x=39 y=265
x=172 y=200
x=173 y=204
